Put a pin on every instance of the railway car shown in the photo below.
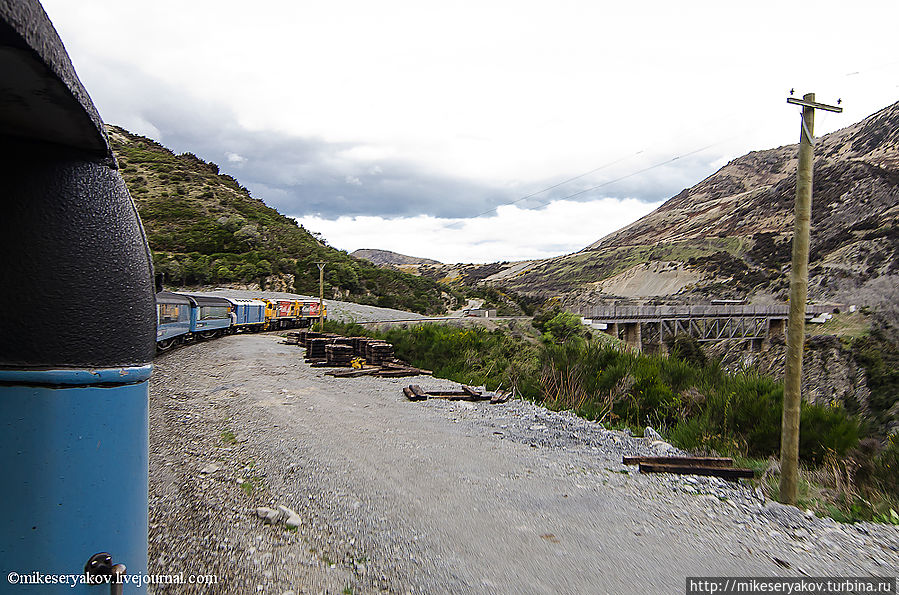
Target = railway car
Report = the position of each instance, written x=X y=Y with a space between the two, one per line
x=271 y=314
x=210 y=316
x=289 y=313
x=172 y=319
x=309 y=313
x=248 y=315
x=280 y=314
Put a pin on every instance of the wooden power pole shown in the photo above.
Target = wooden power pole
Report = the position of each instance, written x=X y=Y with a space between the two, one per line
x=789 y=437
x=321 y=296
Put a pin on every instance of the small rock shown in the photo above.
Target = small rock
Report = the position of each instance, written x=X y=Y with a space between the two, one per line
x=210 y=468
x=263 y=512
x=286 y=512
x=652 y=435
x=662 y=448
x=538 y=427
x=293 y=521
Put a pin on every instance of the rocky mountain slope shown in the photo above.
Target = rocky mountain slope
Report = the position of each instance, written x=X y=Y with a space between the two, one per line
x=206 y=229
x=730 y=235
x=386 y=257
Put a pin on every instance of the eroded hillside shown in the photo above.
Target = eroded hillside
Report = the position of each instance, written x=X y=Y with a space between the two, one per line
x=729 y=235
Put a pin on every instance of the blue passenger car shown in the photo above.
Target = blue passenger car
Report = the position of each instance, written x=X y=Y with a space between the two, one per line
x=210 y=315
x=172 y=319
x=249 y=315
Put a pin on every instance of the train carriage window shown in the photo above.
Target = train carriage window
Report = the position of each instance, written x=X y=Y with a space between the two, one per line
x=214 y=312
x=168 y=313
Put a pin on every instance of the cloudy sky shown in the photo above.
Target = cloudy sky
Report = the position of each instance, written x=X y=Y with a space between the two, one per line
x=475 y=131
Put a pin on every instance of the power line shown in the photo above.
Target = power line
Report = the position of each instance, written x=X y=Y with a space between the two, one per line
x=597 y=186
x=594 y=170
x=548 y=188
x=638 y=172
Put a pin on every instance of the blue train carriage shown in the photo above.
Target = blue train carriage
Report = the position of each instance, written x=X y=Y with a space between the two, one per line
x=172 y=319
x=210 y=316
x=249 y=315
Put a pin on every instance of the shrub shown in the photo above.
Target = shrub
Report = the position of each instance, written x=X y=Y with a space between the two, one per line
x=824 y=429
x=886 y=467
x=562 y=327
x=688 y=349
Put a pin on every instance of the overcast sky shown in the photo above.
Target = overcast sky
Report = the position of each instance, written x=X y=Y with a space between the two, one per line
x=424 y=127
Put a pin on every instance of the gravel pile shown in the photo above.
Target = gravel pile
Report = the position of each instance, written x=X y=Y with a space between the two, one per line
x=439 y=496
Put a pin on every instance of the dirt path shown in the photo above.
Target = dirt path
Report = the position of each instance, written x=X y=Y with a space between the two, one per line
x=440 y=497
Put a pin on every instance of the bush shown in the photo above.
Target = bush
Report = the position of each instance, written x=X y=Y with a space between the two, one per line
x=886 y=468
x=824 y=429
x=688 y=349
x=701 y=407
x=562 y=327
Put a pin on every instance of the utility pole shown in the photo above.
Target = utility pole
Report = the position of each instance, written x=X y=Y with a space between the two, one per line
x=789 y=437
x=321 y=296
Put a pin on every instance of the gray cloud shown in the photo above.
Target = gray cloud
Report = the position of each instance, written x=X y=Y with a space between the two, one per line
x=309 y=176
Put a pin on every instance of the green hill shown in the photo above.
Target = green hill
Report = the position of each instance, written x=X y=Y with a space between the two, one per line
x=205 y=228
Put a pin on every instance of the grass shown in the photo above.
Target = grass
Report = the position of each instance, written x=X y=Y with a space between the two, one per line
x=848 y=325
x=228 y=437
x=253 y=482
x=251 y=485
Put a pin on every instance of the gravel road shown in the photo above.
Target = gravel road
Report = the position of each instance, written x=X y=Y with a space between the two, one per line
x=440 y=497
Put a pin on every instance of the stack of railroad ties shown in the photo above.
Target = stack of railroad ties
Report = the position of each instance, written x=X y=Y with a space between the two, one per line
x=353 y=356
x=364 y=356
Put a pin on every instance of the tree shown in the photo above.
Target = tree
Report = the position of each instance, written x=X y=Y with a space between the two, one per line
x=563 y=327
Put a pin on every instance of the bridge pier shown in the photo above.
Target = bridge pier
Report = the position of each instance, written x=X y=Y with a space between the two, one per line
x=776 y=328
x=633 y=334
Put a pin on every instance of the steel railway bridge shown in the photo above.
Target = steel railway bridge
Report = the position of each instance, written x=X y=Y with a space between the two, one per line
x=647 y=327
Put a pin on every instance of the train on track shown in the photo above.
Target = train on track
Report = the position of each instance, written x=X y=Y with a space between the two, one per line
x=184 y=317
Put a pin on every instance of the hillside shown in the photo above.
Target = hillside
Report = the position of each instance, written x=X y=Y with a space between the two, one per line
x=205 y=228
x=386 y=257
x=729 y=235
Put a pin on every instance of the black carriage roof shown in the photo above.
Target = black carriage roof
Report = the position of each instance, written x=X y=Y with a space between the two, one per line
x=43 y=100
x=207 y=300
x=167 y=297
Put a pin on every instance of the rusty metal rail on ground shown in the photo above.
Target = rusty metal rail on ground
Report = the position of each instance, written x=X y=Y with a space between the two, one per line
x=722 y=467
x=414 y=392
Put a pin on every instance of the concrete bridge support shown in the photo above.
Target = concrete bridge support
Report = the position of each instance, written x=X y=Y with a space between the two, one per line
x=633 y=334
x=612 y=329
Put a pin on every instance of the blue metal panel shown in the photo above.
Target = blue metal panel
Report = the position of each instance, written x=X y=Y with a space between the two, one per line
x=172 y=329
x=132 y=375
x=211 y=324
x=255 y=314
x=194 y=315
x=76 y=461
